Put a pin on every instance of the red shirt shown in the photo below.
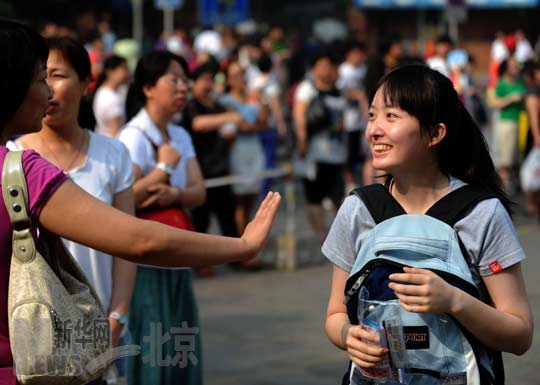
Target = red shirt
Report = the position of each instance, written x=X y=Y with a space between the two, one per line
x=42 y=179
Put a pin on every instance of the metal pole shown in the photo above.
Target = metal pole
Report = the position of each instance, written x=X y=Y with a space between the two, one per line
x=420 y=27
x=453 y=28
x=137 y=20
x=287 y=256
x=168 y=21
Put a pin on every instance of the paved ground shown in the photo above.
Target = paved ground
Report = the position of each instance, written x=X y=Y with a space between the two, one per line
x=267 y=328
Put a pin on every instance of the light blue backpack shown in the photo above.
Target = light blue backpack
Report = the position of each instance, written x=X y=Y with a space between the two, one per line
x=425 y=348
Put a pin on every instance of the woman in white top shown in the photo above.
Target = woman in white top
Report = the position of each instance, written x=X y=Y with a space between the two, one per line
x=168 y=180
x=99 y=165
x=109 y=100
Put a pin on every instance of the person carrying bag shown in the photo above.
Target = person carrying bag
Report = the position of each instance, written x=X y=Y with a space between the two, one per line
x=56 y=316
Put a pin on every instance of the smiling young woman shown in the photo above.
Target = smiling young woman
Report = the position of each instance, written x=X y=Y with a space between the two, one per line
x=428 y=146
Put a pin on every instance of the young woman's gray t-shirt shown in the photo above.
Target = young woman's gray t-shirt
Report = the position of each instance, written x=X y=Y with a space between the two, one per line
x=487 y=233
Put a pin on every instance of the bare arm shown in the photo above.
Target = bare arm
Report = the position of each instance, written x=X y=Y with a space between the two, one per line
x=164 y=195
x=142 y=183
x=212 y=122
x=359 y=344
x=531 y=102
x=300 y=124
x=194 y=194
x=123 y=272
x=501 y=102
x=505 y=326
x=260 y=124
x=508 y=326
x=277 y=113
x=74 y=214
x=337 y=321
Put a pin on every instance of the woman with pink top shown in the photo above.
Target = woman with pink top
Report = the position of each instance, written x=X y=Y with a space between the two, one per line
x=61 y=207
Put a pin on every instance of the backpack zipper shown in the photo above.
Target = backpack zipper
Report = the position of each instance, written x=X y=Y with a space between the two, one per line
x=352 y=291
x=468 y=287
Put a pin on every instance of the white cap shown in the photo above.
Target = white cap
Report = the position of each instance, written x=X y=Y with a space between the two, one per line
x=209 y=42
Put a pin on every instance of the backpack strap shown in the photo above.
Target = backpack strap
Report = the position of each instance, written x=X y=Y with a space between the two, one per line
x=380 y=203
x=457 y=204
x=451 y=209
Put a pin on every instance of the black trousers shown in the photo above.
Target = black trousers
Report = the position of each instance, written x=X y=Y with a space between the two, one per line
x=220 y=201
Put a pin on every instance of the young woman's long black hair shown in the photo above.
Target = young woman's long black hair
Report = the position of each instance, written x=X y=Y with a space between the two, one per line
x=149 y=69
x=430 y=97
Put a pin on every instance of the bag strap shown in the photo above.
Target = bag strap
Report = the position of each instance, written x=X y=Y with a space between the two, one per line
x=146 y=136
x=380 y=203
x=457 y=204
x=449 y=209
x=15 y=193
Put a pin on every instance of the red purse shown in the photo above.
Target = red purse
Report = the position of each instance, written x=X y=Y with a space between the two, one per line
x=172 y=216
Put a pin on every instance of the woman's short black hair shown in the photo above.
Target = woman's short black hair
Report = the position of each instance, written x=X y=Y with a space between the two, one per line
x=23 y=51
x=431 y=98
x=325 y=53
x=113 y=62
x=149 y=69
x=211 y=66
x=265 y=63
x=74 y=53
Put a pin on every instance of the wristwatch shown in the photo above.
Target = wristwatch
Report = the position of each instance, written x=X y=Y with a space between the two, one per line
x=121 y=318
x=165 y=167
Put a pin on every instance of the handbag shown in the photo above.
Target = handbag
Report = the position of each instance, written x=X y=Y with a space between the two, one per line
x=172 y=216
x=59 y=331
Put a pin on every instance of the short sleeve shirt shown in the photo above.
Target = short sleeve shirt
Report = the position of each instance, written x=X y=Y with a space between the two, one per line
x=107 y=171
x=327 y=146
x=267 y=85
x=504 y=89
x=533 y=90
x=42 y=179
x=138 y=133
x=108 y=105
x=305 y=92
x=487 y=233
x=212 y=150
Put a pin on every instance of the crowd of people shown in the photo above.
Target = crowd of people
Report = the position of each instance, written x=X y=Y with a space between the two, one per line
x=86 y=186
x=143 y=135
x=303 y=100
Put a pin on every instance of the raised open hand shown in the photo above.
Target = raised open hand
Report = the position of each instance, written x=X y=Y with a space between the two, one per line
x=256 y=232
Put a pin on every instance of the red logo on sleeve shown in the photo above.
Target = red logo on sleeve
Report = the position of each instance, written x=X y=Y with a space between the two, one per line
x=495 y=267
